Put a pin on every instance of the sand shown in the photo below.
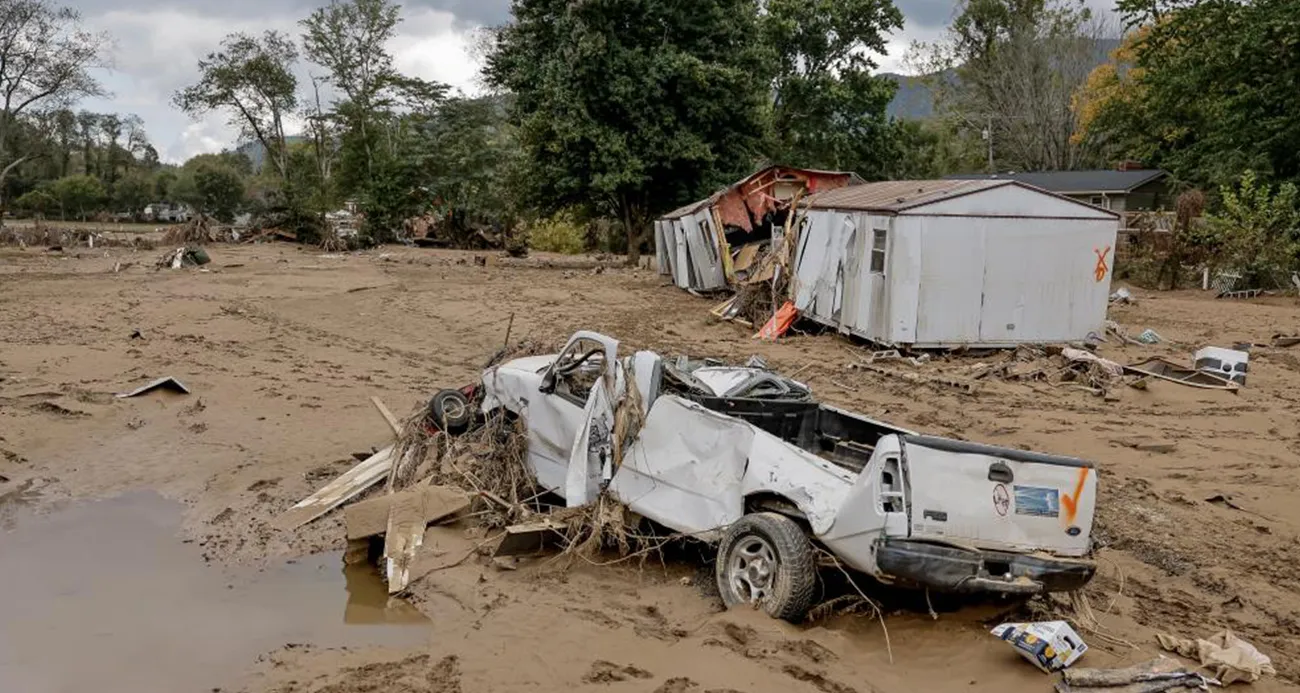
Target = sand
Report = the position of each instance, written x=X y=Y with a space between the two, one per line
x=282 y=348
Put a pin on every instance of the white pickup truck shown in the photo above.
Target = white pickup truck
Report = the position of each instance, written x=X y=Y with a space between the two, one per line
x=749 y=460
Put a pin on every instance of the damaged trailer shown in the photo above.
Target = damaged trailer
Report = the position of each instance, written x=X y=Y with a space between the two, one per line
x=749 y=460
x=694 y=244
x=946 y=263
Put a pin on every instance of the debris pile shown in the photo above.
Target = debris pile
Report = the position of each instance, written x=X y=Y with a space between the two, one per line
x=201 y=230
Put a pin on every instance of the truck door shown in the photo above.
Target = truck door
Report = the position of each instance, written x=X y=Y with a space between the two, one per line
x=559 y=412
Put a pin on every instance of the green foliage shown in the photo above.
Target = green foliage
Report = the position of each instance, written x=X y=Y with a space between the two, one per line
x=132 y=192
x=559 y=233
x=829 y=110
x=1214 y=91
x=78 y=195
x=1257 y=229
x=46 y=59
x=252 y=80
x=220 y=191
x=630 y=105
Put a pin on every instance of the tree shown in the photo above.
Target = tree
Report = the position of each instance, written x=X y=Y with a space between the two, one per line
x=348 y=37
x=1203 y=109
x=1257 y=230
x=1009 y=69
x=252 y=80
x=632 y=106
x=45 y=60
x=132 y=192
x=81 y=195
x=828 y=109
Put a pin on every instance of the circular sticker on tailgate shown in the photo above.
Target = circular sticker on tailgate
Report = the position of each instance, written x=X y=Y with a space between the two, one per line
x=1001 y=499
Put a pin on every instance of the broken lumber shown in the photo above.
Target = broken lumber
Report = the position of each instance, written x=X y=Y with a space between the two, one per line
x=347 y=486
x=369 y=518
x=915 y=378
x=393 y=423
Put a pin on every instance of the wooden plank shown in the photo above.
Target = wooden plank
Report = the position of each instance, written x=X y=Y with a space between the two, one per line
x=393 y=423
x=347 y=486
x=405 y=536
x=370 y=517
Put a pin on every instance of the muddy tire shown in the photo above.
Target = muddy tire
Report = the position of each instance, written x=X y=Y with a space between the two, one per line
x=450 y=410
x=766 y=560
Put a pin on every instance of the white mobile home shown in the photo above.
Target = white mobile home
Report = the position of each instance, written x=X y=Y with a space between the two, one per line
x=990 y=263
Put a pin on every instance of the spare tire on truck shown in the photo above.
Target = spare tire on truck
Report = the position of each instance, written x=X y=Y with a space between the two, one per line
x=451 y=411
x=766 y=560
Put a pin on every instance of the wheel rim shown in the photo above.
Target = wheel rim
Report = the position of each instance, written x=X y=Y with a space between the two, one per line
x=752 y=569
x=452 y=409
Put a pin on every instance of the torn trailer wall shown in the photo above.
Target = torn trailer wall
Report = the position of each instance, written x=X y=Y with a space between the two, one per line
x=696 y=244
x=954 y=263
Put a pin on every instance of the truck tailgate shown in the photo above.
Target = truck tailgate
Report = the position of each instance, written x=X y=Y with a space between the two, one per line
x=999 y=498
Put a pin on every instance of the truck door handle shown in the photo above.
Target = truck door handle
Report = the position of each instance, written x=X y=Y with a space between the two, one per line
x=1001 y=473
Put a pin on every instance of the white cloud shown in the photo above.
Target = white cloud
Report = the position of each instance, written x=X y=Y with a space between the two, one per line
x=158 y=52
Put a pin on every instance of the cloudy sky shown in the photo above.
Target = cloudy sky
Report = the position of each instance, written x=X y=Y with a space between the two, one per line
x=160 y=41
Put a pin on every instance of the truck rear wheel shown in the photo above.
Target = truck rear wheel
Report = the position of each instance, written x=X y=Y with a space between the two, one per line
x=766 y=560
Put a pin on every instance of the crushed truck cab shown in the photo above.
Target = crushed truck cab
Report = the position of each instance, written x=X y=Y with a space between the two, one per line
x=751 y=461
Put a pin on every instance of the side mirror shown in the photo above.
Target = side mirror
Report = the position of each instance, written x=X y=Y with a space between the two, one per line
x=548 y=382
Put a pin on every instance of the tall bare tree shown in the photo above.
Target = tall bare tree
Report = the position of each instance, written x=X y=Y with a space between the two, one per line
x=1010 y=69
x=252 y=80
x=45 y=62
x=348 y=38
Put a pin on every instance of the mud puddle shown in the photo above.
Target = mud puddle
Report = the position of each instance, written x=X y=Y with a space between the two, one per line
x=104 y=596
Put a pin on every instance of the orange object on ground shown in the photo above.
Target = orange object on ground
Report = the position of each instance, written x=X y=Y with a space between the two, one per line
x=780 y=323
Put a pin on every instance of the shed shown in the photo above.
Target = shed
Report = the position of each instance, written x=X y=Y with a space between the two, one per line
x=943 y=263
x=694 y=243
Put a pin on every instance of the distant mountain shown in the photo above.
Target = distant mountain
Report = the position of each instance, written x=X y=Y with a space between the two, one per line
x=256 y=153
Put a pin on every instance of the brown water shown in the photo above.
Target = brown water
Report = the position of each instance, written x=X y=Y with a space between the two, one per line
x=102 y=596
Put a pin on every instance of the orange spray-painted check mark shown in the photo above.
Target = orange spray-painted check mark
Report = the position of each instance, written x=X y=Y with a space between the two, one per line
x=1071 y=502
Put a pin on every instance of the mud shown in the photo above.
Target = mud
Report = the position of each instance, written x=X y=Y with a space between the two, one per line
x=282 y=357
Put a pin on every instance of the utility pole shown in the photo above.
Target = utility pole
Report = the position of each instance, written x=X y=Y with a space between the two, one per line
x=988 y=137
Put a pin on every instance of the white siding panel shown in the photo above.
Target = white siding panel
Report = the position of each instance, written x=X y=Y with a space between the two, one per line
x=682 y=267
x=664 y=247
x=1011 y=201
x=951 y=281
x=1039 y=280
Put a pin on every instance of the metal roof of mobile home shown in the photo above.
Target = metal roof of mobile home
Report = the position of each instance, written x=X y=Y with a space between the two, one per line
x=898 y=195
x=894 y=196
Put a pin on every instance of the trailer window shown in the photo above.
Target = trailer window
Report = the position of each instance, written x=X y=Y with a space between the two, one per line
x=878 y=241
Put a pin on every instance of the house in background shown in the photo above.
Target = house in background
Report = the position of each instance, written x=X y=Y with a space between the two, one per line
x=1122 y=190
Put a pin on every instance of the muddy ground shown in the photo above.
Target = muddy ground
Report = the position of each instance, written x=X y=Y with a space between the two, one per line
x=282 y=347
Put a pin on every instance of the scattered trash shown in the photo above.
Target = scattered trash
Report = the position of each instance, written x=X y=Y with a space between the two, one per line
x=1163 y=369
x=780 y=322
x=1122 y=296
x=1147 y=444
x=1161 y=674
x=162 y=383
x=1230 y=364
x=137 y=334
x=190 y=256
x=1087 y=356
x=1246 y=293
x=756 y=361
x=1050 y=645
x=1231 y=658
x=1149 y=336
x=1285 y=340
x=531 y=538
x=1224 y=500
